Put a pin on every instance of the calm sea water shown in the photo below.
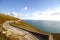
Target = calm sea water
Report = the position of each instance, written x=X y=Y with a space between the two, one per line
x=46 y=26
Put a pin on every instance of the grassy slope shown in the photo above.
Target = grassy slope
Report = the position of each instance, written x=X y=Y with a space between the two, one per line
x=22 y=24
x=4 y=18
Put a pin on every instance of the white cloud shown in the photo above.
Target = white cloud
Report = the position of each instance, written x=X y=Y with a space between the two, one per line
x=13 y=14
x=45 y=15
x=25 y=8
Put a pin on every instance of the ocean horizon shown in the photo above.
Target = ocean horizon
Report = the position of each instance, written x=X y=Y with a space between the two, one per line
x=45 y=25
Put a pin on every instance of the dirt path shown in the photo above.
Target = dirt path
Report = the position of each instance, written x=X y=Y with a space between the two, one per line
x=21 y=32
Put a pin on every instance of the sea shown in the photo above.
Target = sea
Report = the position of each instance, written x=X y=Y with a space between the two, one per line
x=45 y=25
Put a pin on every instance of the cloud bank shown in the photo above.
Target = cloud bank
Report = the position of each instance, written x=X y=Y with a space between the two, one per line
x=38 y=15
x=43 y=15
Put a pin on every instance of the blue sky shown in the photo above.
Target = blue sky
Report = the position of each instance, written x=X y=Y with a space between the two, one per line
x=29 y=7
x=33 y=5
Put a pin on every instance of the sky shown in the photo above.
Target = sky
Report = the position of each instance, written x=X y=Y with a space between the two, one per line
x=31 y=9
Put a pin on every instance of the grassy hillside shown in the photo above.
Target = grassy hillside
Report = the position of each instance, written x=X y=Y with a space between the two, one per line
x=20 y=24
x=4 y=18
